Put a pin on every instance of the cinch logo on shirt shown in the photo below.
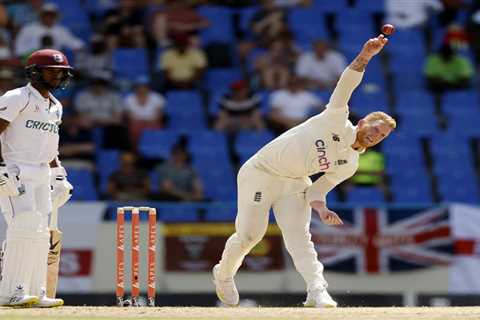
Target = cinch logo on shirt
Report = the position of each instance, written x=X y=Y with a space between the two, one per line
x=43 y=126
x=322 y=155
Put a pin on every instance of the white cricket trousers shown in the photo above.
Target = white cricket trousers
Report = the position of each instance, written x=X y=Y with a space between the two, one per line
x=258 y=191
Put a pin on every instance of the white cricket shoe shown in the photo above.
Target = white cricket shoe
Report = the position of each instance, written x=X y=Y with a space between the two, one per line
x=20 y=300
x=226 y=289
x=46 y=302
x=319 y=298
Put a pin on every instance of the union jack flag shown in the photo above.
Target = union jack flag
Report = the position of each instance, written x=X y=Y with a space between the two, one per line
x=380 y=240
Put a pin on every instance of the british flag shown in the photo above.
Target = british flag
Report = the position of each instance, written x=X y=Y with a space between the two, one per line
x=381 y=240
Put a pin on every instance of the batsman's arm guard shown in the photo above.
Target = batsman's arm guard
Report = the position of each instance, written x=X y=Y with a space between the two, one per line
x=53 y=262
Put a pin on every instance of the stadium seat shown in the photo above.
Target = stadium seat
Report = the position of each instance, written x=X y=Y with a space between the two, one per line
x=221 y=212
x=221 y=78
x=83 y=183
x=412 y=193
x=156 y=144
x=107 y=162
x=185 y=110
x=365 y=196
x=249 y=142
x=307 y=25
x=178 y=212
x=130 y=63
x=220 y=29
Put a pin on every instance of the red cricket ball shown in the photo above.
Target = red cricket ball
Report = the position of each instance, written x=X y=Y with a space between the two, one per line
x=388 y=29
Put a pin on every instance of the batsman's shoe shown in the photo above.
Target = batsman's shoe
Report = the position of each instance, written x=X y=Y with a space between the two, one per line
x=46 y=302
x=21 y=300
x=226 y=289
x=319 y=298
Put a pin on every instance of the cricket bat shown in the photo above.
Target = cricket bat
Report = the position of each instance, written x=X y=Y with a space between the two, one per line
x=53 y=261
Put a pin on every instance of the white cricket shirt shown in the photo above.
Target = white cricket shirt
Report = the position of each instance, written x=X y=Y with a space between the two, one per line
x=32 y=135
x=320 y=144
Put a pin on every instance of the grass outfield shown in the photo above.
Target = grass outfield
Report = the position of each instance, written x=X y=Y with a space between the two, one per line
x=188 y=313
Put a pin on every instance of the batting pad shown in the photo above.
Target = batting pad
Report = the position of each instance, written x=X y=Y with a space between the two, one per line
x=25 y=258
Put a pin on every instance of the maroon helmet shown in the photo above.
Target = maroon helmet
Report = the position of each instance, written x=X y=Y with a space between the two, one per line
x=47 y=58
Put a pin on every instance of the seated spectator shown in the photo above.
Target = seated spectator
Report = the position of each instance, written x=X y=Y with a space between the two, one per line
x=177 y=179
x=97 y=57
x=128 y=182
x=447 y=70
x=275 y=65
x=176 y=16
x=143 y=109
x=292 y=105
x=411 y=14
x=321 y=67
x=101 y=106
x=30 y=36
x=268 y=23
x=239 y=109
x=77 y=148
x=123 y=25
x=182 y=65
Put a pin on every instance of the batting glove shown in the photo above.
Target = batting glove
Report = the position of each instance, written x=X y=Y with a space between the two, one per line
x=61 y=189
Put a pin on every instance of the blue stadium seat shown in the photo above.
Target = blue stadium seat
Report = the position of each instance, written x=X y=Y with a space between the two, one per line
x=355 y=22
x=178 y=212
x=249 y=142
x=214 y=103
x=445 y=144
x=307 y=25
x=464 y=124
x=246 y=15
x=418 y=126
x=74 y=16
x=454 y=100
x=412 y=193
x=371 y=6
x=220 y=29
x=185 y=110
x=461 y=189
x=83 y=184
x=365 y=196
x=157 y=143
x=363 y=102
x=208 y=142
x=221 y=78
x=415 y=103
x=129 y=63
x=221 y=212
x=107 y=162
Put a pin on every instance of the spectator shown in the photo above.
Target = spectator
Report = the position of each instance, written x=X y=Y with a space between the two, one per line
x=129 y=182
x=447 y=70
x=102 y=108
x=274 y=66
x=97 y=57
x=268 y=23
x=77 y=148
x=123 y=25
x=321 y=67
x=31 y=35
x=292 y=105
x=176 y=17
x=182 y=65
x=177 y=179
x=371 y=169
x=7 y=80
x=239 y=109
x=144 y=109
x=411 y=14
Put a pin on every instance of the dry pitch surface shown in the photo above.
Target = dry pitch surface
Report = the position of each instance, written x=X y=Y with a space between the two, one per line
x=188 y=313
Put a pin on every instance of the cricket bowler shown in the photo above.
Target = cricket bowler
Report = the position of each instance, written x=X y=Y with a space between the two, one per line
x=278 y=176
x=31 y=178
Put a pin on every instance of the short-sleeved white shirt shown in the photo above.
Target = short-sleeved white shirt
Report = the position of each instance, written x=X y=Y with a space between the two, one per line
x=147 y=111
x=32 y=135
x=296 y=105
x=328 y=69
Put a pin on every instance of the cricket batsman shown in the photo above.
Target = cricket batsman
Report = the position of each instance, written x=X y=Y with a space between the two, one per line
x=31 y=178
x=278 y=176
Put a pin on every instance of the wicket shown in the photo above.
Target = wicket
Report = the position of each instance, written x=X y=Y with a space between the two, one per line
x=135 y=252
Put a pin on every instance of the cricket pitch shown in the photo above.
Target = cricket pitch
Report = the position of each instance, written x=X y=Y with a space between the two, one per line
x=244 y=313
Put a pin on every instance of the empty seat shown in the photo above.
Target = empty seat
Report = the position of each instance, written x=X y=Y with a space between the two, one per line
x=157 y=143
x=130 y=63
x=249 y=142
x=365 y=196
x=220 y=29
x=107 y=162
x=179 y=212
x=83 y=184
